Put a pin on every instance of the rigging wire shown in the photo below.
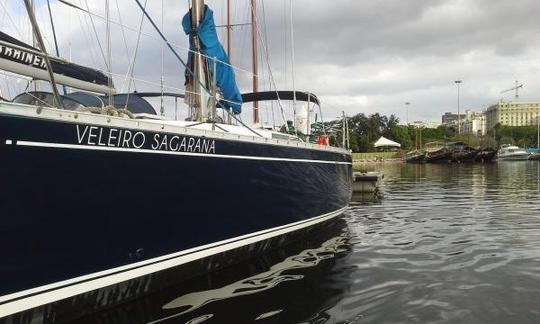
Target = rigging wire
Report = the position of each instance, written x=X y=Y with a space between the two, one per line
x=292 y=62
x=90 y=13
x=54 y=37
x=162 y=108
x=95 y=32
x=131 y=68
x=122 y=28
x=170 y=45
x=11 y=19
x=188 y=69
x=266 y=52
x=273 y=83
x=109 y=49
x=9 y=83
x=87 y=36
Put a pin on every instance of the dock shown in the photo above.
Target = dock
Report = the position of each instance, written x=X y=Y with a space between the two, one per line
x=366 y=182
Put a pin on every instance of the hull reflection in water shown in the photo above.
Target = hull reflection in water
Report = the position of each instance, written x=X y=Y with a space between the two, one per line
x=271 y=286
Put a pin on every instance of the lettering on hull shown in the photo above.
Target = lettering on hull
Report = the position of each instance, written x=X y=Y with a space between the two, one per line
x=125 y=138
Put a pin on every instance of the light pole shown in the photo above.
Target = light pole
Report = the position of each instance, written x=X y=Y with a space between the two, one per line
x=458 y=82
x=407 y=111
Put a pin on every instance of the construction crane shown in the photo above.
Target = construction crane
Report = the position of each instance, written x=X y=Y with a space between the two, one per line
x=516 y=87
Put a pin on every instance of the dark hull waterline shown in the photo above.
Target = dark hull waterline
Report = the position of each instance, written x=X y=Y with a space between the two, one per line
x=98 y=224
x=439 y=157
x=465 y=157
x=420 y=158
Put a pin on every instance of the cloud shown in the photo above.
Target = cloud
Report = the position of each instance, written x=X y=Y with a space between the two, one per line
x=358 y=55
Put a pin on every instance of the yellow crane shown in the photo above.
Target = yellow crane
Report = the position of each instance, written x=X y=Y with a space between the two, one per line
x=515 y=88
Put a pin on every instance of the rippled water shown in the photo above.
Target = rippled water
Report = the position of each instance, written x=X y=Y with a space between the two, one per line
x=444 y=244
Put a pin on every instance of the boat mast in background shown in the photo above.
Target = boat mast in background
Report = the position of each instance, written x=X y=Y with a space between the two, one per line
x=254 y=45
x=537 y=131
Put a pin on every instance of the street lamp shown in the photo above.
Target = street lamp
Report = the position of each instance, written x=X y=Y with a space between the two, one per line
x=407 y=111
x=458 y=82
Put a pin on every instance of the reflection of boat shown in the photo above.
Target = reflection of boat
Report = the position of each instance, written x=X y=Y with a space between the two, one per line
x=509 y=152
x=103 y=204
x=277 y=274
x=268 y=285
x=415 y=156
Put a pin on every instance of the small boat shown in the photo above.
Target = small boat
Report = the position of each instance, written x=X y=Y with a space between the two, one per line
x=534 y=153
x=509 y=152
x=415 y=156
x=534 y=156
x=486 y=155
x=463 y=153
x=437 y=152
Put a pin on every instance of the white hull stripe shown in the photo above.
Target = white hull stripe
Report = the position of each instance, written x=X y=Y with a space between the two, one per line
x=20 y=301
x=147 y=151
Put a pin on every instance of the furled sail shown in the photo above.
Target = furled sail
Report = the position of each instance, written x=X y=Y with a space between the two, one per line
x=211 y=47
x=21 y=58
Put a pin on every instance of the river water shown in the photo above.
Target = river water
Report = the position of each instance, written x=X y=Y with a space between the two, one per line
x=442 y=244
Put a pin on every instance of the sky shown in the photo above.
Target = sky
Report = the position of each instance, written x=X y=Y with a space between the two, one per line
x=357 y=56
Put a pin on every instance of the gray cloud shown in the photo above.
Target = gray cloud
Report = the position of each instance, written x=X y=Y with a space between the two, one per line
x=358 y=56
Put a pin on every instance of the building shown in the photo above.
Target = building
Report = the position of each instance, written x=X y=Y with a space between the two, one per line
x=450 y=119
x=474 y=123
x=513 y=114
x=422 y=124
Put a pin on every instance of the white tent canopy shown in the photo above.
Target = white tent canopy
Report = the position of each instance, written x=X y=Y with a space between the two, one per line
x=385 y=142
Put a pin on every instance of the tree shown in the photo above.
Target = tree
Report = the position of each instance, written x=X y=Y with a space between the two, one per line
x=401 y=135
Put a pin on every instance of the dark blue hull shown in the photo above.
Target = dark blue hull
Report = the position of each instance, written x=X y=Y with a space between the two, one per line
x=82 y=212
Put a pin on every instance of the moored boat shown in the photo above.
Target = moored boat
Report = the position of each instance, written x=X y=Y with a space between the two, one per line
x=415 y=156
x=437 y=152
x=509 y=152
x=103 y=203
x=486 y=155
x=534 y=153
x=462 y=153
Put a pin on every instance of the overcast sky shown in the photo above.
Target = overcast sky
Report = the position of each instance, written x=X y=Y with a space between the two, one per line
x=358 y=56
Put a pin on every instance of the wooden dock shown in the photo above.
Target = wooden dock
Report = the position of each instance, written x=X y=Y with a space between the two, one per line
x=366 y=181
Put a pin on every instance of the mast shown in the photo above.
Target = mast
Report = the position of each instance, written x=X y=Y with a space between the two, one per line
x=292 y=55
x=37 y=33
x=54 y=37
x=34 y=43
x=229 y=27
x=254 y=44
x=201 y=98
x=343 y=129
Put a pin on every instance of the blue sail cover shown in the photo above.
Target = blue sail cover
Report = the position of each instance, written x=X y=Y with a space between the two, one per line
x=211 y=47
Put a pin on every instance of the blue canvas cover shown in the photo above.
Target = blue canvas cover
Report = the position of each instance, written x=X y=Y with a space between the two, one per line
x=211 y=47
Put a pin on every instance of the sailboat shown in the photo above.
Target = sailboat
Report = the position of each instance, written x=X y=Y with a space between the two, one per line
x=103 y=200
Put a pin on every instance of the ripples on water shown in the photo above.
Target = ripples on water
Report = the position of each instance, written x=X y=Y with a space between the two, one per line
x=445 y=244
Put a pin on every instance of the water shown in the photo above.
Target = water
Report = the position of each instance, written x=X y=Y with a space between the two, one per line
x=444 y=244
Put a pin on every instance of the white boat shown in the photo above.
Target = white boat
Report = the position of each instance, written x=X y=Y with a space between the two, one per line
x=509 y=152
